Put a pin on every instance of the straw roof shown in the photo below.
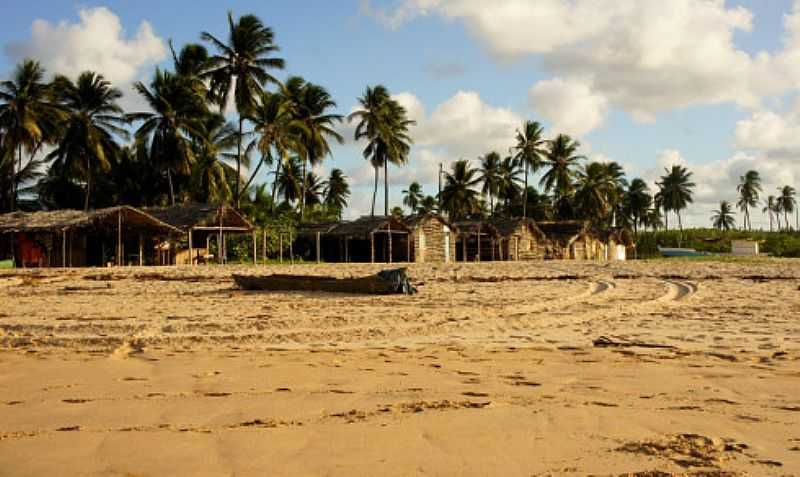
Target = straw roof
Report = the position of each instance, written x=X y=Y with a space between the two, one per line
x=476 y=226
x=364 y=226
x=316 y=228
x=414 y=221
x=186 y=216
x=58 y=220
x=508 y=227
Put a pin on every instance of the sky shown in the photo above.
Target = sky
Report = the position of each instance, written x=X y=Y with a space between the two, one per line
x=708 y=84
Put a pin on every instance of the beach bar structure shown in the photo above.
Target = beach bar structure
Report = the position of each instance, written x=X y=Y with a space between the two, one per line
x=368 y=239
x=202 y=225
x=571 y=240
x=519 y=239
x=72 y=238
x=433 y=238
x=478 y=241
x=315 y=242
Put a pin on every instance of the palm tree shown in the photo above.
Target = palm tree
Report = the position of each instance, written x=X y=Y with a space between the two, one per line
x=309 y=104
x=561 y=161
x=748 y=188
x=653 y=218
x=243 y=65
x=412 y=196
x=636 y=202
x=176 y=113
x=275 y=128
x=210 y=171
x=290 y=180
x=786 y=203
x=490 y=177
x=770 y=207
x=337 y=190
x=383 y=123
x=428 y=205
x=723 y=217
x=28 y=116
x=596 y=190
x=531 y=148
x=94 y=118
x=190 y=65
x=509 y=188
x=313 y=189
x=459 y=197
x=676 y=190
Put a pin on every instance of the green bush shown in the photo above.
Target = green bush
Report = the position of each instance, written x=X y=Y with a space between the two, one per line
x=777 y=244
x=6 y=264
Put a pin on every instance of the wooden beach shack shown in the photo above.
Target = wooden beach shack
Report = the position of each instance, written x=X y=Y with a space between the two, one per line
x=202 y=225
x=571 y=240
x=315 y=242
x=433 y=238
x=373 y=239
x=477 y=241
x=620 y=244
x=519 y=239
x=73 y=238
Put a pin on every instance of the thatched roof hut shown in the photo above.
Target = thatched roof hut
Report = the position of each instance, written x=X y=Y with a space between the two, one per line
x=75 y=237
x=478 y=241
x=386 y=238
x=433 y=238
x=571 y=239
x=202 y=217
x=520 y=239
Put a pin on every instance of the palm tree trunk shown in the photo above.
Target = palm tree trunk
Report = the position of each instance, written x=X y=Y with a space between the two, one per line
x=680 y=225
x=770 y=221
x=525 y=195
x=386 y=188
x=171 y=189
x=88 y=184
x=491 y=204
x=275 y=182
x=786 y=218
x=303 y=193
x=238 y=163
x=14 y=182
x=374 y=192
x=253 y=176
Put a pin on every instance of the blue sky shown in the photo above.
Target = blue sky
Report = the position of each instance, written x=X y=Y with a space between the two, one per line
x=452 y=60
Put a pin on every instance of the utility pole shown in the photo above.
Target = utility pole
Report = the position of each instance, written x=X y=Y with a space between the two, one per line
x=440 y=187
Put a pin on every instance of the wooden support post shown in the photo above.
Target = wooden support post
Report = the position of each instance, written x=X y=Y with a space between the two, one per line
x=280 y=247
x=408 y=248
x=291 y=248
x=255 y=247
x=64 y=248
x=478 y=255
x=389 y=256
x=372 y=247
x=493 y=247
x=464 y=248
x=347 y=249
x=516 y=248
x=191 y=248
x=141 y=250
x=119 y=238
x=220 y=243
x=224 y=249
x=319 y=251
x=264 y=245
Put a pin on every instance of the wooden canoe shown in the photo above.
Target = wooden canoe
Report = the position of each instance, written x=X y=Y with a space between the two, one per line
x=371 y=285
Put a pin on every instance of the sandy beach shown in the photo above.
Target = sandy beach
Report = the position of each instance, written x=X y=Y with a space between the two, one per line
x=539 y=368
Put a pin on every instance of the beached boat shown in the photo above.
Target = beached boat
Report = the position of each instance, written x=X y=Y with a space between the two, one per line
x=384 y=283
x=680 y=252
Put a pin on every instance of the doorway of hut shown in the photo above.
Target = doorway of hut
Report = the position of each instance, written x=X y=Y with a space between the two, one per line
x=360 y=250
x=468 y=249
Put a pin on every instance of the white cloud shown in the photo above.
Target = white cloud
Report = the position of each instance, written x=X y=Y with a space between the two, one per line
x=570 y=105
x=98 y=42
x=776 y=134
x=643 y=56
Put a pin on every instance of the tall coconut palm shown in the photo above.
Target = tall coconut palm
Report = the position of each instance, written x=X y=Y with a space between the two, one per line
x=561 y=162
x=175 y=114
x=786 y=203
x=190 y=64
x=313 y=189
x=337 y=191
x=530 y=149
x=676 y=190
x=290 y=180
x=210 y=171
x=275 y=128
x=310 y=104
x=770 y=207
x=242 y=65
x=94 y=120
x=384 y=125
x=459 y=196
x=28 y=116
x=749 y=187
x=490 y=177
x=412 y=196
x=428 y=204
x=636 y=202
x=723 y=217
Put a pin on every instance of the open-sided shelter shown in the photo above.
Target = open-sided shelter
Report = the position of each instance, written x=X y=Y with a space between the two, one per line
x=433 y=238
x=314 y=242
x=202 y=225
x=373 y=239
x=571 y=240
x=519 y=239
x=73 y=238
x=477 y=241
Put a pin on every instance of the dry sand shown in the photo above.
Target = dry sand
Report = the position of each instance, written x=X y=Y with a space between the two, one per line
x=489 y=370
